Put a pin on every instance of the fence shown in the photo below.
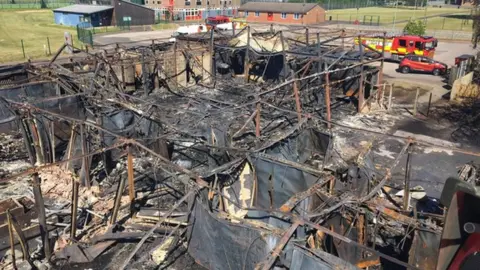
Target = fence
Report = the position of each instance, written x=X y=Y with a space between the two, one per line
x=440 y=34
x=36 y=48
x=345 y=4
x=29 y=4
x=85 y=32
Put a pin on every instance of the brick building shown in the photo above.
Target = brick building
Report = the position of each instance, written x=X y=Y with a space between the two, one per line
x=288 y=13
x=185 y=10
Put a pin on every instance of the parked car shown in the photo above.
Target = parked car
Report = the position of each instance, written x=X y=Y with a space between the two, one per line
x=422 y=64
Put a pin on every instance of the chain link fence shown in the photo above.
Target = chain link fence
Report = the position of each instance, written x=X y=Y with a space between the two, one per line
x=34 y=4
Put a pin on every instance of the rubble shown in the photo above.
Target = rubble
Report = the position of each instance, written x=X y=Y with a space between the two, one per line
x=219 y=152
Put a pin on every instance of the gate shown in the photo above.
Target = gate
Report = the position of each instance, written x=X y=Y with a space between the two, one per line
x=85 y=33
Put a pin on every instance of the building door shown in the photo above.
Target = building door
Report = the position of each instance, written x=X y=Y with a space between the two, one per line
x=270 y=16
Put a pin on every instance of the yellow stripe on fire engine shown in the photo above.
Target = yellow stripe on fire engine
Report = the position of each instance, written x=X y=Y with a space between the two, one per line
x=402 y=50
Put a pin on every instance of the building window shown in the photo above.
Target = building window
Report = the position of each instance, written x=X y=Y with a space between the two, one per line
x=257 y=14
x=296 y=16
x=199 y=2
x=146 y=1
x=284 y=15
x=159 y=2
x=246 y=13
x=187 y=3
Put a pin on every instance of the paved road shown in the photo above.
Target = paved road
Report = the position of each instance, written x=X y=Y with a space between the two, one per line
x=140 y=37
x=446 y=53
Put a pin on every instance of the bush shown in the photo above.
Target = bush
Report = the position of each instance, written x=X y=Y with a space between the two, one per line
x=415 y=28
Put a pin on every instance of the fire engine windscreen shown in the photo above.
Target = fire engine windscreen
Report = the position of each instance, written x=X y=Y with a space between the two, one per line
x=430 y=45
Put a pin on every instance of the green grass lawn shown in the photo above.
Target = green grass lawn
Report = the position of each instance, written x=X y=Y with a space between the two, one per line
x=33 y=27
x=386 y=16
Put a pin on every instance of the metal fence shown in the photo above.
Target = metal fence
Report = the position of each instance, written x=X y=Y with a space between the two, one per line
x=32 y=4
x=85 y=32
x=440 y=34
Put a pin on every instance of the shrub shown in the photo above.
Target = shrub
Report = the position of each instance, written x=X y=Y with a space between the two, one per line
x=415 y=28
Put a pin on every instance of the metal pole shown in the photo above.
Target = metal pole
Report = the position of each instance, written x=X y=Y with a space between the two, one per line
x=408 y=169
x=361 y=95
x=380 y=73
x=425 y=16
x=37 y=193
x=395 y=15
x=23 y=49
x=390 y=97
x=48 y=43
x=175 y=63
x=12 y=240
x=247 y=59
x=131 y=183
x=74 y=208
x=144 y=75
x=257 y=118
x=307 y=36
x=327 y=99
x=52 y=140
x=118 y=200
x=429 y=102
x=85 y=165
x=297 y=98
x=212 y=53
x=319 y=49
x=284 y=56
x=416 y=101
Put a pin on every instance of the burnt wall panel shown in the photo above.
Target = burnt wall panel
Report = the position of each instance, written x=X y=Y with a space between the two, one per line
x=218 y=244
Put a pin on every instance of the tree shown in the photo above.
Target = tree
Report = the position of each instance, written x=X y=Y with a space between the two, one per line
x=415 y=28
x=476 y=24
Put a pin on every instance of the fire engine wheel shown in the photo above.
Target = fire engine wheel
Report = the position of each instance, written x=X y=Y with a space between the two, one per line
x=405 y=70
x=436 y=72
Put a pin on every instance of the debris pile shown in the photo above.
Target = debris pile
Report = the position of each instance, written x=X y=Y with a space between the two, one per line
x=179 y=154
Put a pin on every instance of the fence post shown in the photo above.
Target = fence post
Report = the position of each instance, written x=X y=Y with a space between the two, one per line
x=416 y=103
x=23 y=49
x=443 y=25
x=48 y=44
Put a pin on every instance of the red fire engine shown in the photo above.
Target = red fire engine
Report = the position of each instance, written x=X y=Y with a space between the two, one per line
x=213 y=21
x=396 y=47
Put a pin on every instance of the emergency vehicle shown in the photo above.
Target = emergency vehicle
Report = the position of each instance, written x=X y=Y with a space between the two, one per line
x=212 y=22
x=396 y=47
x=188 y=29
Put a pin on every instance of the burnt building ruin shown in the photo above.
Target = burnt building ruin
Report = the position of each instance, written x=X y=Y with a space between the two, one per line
x=238 y=150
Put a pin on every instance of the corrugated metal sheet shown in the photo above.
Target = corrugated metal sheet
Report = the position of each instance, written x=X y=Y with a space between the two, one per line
x=83 y=9
x=137 y=14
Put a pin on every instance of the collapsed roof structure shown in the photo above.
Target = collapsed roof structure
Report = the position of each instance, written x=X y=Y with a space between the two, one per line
x=226 y=144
